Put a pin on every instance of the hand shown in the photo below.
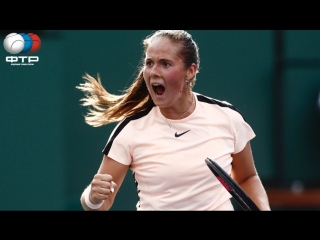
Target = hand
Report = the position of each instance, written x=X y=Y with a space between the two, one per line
x=101 y=186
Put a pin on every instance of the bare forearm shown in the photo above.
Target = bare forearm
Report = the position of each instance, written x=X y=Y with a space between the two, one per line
x=255 y=190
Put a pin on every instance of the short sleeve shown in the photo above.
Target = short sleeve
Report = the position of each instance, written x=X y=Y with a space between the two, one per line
x=243 y=132
x=119 y=145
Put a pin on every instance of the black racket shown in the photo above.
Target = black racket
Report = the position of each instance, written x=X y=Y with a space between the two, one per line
x=232 y=186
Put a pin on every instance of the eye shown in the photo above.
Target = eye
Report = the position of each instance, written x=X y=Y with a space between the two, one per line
x=165 y=64
x=148 y=63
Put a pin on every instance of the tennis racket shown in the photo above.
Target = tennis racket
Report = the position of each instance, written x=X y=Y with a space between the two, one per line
x=232 y=186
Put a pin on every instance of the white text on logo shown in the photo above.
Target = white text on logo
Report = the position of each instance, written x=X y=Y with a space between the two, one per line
x=22 y=60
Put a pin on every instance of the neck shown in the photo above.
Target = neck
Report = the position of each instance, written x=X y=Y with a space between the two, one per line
x=182 y=114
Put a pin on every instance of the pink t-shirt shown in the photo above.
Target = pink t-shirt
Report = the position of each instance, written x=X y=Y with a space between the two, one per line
x=168 y=162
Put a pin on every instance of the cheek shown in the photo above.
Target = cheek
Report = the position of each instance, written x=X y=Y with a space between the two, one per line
x=175 y=78
x=145 y=74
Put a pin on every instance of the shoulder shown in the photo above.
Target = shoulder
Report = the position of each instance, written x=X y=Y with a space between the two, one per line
x=131 y=119
x=137 y=116
x=223 y=105
x=123 y=131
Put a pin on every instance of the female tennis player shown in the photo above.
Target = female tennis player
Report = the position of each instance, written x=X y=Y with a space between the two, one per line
x=164 y=133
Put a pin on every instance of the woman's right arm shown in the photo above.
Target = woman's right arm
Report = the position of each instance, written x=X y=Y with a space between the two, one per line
x=110 y=175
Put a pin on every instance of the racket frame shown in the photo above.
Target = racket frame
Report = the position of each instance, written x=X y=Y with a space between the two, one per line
x=232 y=186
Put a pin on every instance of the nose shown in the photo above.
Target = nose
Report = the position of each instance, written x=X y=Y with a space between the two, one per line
x=154 y=72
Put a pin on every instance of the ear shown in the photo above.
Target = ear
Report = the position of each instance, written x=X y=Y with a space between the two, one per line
x=191 y=71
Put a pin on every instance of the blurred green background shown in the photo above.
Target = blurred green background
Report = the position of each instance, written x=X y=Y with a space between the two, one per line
x=49 y=154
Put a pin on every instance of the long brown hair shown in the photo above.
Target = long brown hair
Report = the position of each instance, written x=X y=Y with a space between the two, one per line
x=105 y=108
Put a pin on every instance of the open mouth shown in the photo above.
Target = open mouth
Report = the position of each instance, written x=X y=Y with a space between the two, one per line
x=158 y=89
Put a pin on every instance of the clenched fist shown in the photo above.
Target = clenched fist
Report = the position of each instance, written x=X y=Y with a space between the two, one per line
x=101 y=186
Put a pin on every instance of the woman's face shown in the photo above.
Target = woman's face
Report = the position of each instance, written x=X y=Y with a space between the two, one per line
x=165 y=74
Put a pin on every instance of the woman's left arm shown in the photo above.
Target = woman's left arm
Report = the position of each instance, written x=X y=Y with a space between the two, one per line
x=245 y=174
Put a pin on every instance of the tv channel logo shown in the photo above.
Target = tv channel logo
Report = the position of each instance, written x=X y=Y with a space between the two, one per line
x=15 y=43
x=22 y=43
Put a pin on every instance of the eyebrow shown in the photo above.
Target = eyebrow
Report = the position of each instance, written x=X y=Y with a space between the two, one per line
x=161 y=59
